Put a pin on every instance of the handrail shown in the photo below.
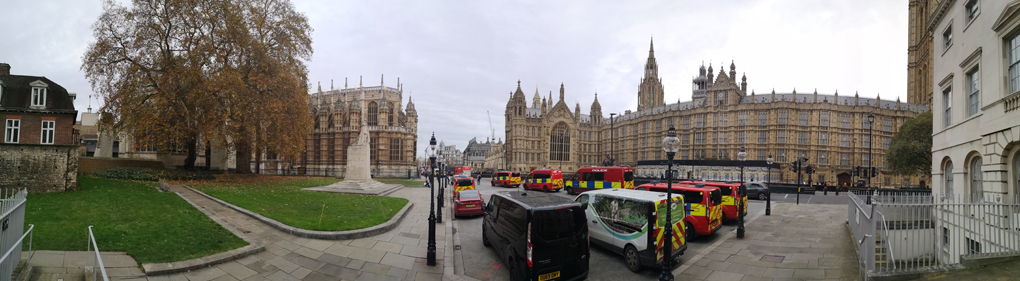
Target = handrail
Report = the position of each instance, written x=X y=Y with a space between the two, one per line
x=887 y=241
x=99 y=259
x=18 y=243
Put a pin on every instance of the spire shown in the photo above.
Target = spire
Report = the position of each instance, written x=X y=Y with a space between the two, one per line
x=561 y=92
x=382 y=79
x=345 y=82
x=360 y=80
x=320 y=87
x=651 y=48
x=331 y=84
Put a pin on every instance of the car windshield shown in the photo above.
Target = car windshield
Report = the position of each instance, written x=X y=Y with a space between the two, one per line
x=465 y=182
x=628 y=176
x=559 y=223
x=469 y=194
x=516 y=174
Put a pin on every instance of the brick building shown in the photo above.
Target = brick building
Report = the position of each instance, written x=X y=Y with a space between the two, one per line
x=37 y=117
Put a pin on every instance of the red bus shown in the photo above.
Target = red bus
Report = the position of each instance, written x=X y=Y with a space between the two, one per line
x=702 y=203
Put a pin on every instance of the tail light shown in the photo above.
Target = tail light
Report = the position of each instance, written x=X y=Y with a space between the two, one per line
x=529 y=244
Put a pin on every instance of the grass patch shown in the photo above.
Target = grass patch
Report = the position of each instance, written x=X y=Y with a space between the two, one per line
x=146 y=174
x=151 y=226
x=402 y=181
x=281 y=198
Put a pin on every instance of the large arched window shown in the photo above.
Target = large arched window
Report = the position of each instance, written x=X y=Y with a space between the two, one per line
x=947 y=174
x=559 y=143
x=373 y=114
x=389 y=114
x=977 y=193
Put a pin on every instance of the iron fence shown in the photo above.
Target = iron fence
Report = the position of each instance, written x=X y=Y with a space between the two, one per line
x=92 y=246
x=911 y=233
x=12 y=225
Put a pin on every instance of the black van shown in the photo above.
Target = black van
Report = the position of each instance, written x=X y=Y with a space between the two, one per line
x=540 y=237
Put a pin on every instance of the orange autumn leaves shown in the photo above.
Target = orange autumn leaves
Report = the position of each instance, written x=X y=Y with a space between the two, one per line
x=228 y=73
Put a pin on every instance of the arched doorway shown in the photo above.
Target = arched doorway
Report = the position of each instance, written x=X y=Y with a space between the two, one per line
x=843 y=178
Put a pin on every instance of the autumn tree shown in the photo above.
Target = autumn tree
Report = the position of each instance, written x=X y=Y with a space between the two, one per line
x=909 y=151
x=172 y=72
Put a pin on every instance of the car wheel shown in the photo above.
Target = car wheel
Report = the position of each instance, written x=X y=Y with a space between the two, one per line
x=570 y=190
x=545 y=188
x=492 y=183
x=630 y=255
x=485 y=238
x=691 y=233
x=515 y=275
x=761 y=196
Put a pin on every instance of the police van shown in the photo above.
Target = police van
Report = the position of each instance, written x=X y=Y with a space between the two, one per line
x=592 y=178
x=633 y=223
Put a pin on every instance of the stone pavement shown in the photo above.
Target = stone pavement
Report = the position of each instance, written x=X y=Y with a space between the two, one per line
x=395 y=255
x=797 y=242
x=994 y=272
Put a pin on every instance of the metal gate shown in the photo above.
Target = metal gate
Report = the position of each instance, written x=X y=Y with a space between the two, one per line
x=12 y=226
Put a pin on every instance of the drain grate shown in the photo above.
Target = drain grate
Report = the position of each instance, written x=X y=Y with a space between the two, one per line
x=772 y=258
x=409 y=235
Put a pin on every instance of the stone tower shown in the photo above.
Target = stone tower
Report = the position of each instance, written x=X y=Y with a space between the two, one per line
x=650 y=90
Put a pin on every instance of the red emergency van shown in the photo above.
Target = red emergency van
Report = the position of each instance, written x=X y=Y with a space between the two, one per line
x=702 y=203
x=544 y=179
x=730 y=193
x=592 y=178
x=506 y=178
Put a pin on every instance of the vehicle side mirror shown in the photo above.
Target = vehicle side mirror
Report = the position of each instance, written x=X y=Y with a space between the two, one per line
x=487 y=208
x=584 y=207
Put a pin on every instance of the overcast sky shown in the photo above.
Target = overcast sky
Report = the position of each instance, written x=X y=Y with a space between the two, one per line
x=459 y=60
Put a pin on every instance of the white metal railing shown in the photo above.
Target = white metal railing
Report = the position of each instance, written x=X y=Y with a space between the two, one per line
x=92 y=246
x=862 y=227
x=12 y=222
x=920 y=235
x=8 y=266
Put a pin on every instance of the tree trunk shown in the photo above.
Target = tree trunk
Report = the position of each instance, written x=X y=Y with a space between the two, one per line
x=189 y=162
x=258 y=149
x=243 y=158
x=208 y=155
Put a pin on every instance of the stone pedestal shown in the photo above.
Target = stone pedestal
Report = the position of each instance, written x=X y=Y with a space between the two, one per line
x=358 y=165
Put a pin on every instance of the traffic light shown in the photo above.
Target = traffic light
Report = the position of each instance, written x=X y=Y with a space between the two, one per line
x=793 y=166
x=855 y=171
x=874 y=171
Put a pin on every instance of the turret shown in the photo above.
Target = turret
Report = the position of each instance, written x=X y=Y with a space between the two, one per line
x=733 y=70
x=596 y=111
x=743 y=83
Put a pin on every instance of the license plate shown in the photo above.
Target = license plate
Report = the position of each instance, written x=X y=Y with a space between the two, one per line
x=471 y=206
x=548 y=276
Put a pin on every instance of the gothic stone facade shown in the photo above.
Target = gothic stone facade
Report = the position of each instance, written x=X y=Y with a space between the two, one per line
x=337 y=113
x=831 y=130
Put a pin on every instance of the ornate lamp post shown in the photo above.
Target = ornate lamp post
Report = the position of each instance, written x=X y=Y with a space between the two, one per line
x=430 y=254
x=442 y=187
x=871 y=143
x=768 y=177
x=612 y=136
x=670 y=144
x=742 y=156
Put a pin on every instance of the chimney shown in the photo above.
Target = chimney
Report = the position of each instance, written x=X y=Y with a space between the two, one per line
x=5 y=69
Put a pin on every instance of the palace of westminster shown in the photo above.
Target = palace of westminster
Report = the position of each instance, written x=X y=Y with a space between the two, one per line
x=831 y=130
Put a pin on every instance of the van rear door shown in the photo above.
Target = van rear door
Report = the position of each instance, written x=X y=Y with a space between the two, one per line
x=559 y=241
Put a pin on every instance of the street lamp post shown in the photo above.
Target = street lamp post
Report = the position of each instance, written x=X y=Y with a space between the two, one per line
x=442 y=185
x=853 y=155
x=742 y=156
x=612 y=141
x=430 y=254
x=768 y=177
x=670 y=144
x=871 y=143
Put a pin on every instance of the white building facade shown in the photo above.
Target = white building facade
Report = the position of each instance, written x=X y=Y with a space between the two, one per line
x=976 y=130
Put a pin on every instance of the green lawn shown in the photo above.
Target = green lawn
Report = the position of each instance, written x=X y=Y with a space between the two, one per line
x=402 y=181
x=281 y=199
x=132 y=217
